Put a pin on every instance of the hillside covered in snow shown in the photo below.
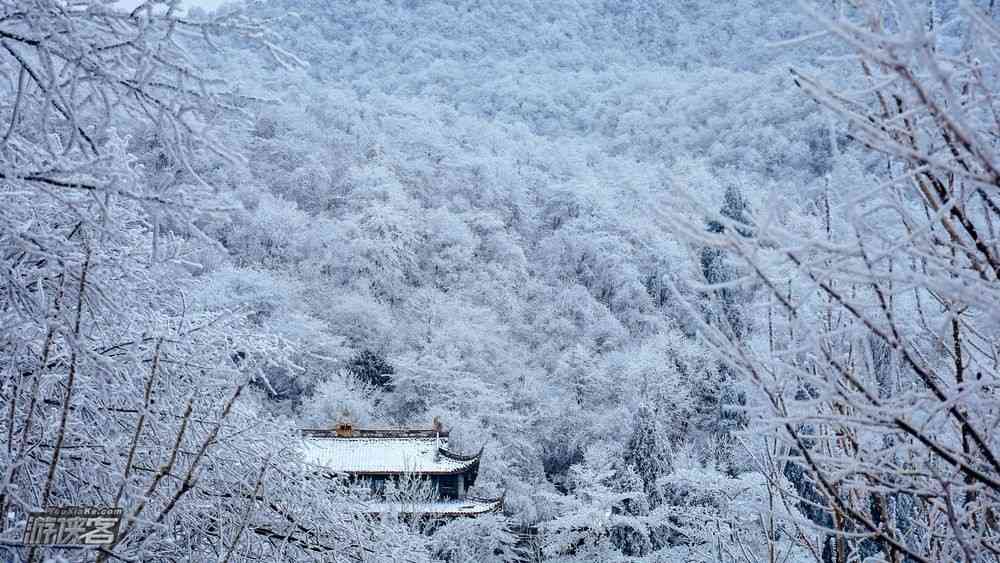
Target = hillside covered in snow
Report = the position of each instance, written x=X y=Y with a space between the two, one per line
x=712 y=281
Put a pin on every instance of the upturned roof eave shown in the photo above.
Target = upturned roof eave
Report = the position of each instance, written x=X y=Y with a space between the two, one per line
x=460 y=457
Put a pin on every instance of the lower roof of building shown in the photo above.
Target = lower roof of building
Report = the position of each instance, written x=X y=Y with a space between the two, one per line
x=469 y=506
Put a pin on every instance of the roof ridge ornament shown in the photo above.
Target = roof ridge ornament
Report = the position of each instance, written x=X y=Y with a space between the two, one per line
x=437 y=427
x=344 y=429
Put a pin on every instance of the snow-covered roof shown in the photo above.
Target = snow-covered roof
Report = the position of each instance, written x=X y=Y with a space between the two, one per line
x=469 y=506
x=385 y=453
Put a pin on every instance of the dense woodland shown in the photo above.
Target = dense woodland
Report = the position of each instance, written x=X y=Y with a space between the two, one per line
x=711 y=281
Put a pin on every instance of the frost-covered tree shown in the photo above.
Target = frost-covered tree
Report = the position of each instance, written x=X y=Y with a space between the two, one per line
x=595 y=522
x=645 y=452
x=124 y=383
x=719 y=271
x=485 y=538
x=877 y=364
x=471 y=190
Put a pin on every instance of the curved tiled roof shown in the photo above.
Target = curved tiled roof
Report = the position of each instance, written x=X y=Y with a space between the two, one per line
x=385 y=453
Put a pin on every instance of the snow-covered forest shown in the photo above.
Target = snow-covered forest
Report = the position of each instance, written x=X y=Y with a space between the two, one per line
x=709 y=281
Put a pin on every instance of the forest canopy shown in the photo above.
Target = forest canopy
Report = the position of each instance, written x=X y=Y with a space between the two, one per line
x=706 y=281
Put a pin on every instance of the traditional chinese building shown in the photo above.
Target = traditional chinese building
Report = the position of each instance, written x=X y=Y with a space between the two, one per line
x=374 y=457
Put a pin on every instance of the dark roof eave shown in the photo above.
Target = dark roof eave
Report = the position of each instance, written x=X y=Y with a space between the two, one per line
x=460 y=457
